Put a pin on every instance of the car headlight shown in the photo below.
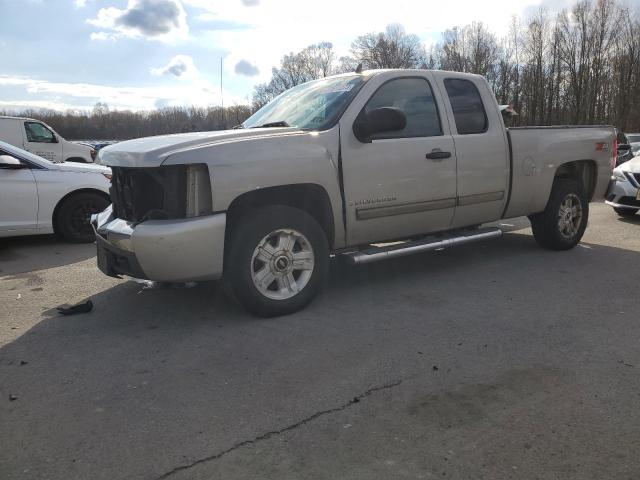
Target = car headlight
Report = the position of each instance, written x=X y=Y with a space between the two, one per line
x=618 y=176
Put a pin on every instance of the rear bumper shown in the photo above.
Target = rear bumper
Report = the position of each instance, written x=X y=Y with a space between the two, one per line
x=180 y=250
x=623 y=195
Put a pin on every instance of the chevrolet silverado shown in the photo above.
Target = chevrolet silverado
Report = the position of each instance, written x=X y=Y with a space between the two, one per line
x=369 y=165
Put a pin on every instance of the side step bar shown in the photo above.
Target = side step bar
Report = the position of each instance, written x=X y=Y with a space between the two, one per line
x=376 y=254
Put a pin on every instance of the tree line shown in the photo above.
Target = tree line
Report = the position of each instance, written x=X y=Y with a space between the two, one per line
x=579 y=66
x=105 y=124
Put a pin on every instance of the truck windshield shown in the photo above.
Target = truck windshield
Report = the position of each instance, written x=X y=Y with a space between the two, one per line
x=314 y=105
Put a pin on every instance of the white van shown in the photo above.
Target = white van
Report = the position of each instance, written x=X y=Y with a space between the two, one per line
x=40 y=139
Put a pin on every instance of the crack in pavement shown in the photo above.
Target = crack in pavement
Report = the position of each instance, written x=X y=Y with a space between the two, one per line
x=273 y=433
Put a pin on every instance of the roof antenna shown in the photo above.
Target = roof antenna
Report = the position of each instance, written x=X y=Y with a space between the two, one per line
x=359 y=68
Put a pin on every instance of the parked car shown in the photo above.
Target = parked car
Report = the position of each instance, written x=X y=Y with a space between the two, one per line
x=40 y=139
x=340 y=165
x=624 y=190
x=38 y=196
x=634 y=141
x=625 y=149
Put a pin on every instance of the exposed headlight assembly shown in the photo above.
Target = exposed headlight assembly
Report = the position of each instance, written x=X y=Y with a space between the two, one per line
x=198 y=191
x=161 y=193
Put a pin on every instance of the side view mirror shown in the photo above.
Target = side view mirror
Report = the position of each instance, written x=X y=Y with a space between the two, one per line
x=54 y=138
x=379 y=120
x=10 y=163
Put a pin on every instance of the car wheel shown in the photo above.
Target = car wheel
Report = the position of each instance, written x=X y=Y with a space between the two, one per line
x=72 y=220
x=625 y=212
x=277 y=260
x=563 y=222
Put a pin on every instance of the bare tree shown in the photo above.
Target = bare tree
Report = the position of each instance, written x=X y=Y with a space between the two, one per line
x=393 y=48
x=315 y=61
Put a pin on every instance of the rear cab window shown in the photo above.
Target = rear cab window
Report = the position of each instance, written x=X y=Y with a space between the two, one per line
x=466 y=103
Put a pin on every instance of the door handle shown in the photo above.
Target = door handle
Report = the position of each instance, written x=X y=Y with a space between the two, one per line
x=437 y=154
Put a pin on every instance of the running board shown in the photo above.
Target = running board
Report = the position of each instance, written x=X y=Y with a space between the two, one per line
x=375 y=254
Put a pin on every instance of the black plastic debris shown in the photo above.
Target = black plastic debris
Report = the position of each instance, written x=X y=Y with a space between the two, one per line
x=83 y=307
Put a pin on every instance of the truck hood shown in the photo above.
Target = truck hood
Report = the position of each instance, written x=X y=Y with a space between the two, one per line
x=153 y=151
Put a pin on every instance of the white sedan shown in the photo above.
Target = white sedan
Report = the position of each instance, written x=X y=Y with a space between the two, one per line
x=38 y=196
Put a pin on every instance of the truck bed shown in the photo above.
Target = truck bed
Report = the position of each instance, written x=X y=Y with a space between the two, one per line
x=536 y=153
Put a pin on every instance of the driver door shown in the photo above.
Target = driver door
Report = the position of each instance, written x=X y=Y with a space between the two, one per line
x=41 y=141
x=403 y=183
x=18 y=199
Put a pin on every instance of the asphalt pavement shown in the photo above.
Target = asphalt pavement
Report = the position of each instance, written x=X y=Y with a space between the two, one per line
x=495 y=360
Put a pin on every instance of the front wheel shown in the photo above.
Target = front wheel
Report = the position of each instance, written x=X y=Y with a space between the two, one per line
x=563 y=222
x=73 y=216
x=625 y=212
x=277 y=260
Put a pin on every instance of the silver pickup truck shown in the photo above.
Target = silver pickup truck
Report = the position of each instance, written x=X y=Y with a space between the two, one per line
x=369 y=165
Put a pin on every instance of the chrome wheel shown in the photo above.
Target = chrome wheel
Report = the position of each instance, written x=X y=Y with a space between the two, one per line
x=570 y=216
x=282 y=264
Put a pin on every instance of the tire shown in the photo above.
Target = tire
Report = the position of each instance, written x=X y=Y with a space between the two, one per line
x=72 y=216
x=626 y=212
x=557 y=228
x=277 y=260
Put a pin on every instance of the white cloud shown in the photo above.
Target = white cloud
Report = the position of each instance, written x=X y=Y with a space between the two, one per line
x=164 y=20
x=181 y=66
x=103 y=36
x=61 y=95
x=19 y=105
x=285 y=26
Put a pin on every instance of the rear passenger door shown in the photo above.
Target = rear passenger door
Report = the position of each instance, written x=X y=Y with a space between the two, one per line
x=481 y=148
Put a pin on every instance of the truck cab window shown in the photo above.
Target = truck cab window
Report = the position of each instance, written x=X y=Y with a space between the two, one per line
x=467 y=106
x=415 y=98
x=36 y=132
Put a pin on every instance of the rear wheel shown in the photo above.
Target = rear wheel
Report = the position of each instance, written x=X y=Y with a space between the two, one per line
x=73 y=216
x=563 y=222
x=277 y=260
x=625 y=212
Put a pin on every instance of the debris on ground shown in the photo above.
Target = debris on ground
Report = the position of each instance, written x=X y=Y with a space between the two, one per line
x=82 y=307
x=13 y=398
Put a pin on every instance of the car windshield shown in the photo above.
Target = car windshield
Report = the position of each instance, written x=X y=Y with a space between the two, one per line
x=633 y=137
x=311 y=106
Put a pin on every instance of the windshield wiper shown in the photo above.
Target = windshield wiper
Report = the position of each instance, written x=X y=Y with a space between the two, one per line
x=281 y=123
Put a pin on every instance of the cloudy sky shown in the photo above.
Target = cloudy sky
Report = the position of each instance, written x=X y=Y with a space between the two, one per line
x=145 y=54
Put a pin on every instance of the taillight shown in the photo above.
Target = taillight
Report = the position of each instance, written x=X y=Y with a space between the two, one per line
x=614 y=158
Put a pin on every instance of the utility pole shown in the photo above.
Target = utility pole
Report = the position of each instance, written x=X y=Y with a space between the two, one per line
x=222 y=95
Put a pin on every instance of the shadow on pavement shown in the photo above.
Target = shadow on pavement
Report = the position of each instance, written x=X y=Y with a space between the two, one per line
x=171 y=375
x=39 y=252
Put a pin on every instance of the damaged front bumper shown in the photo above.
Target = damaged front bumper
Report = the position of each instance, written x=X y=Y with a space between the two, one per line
x=178 y=250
